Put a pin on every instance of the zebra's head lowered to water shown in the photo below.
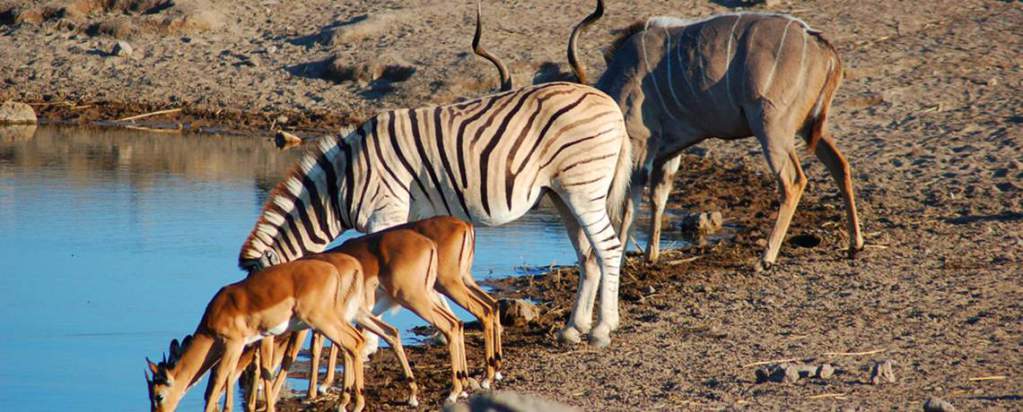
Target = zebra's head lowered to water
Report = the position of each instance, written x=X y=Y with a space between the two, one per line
x=306 y=210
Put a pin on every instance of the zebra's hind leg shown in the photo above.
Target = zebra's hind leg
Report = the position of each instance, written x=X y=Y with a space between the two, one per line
x=592 y=227
x=580 y=321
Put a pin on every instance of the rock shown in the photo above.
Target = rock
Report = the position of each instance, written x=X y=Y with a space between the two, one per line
x=12 y=112
x=284 y=140
x=825 y=371
x=937 y=405
x=387 y=68
x=282 y=119
x=122 y=49
x=507 y=401
x=793 y=372
x=517 y=312
x=882 y=371
x=360 y=28
x=704 y=223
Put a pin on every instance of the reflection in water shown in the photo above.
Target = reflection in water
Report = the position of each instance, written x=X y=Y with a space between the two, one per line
x=113 y=242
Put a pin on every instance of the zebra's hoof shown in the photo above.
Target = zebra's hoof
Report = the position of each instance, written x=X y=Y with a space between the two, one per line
x=570 y=335
x=600 y=337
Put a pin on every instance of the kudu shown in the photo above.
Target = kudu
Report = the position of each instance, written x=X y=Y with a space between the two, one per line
x=730 y=76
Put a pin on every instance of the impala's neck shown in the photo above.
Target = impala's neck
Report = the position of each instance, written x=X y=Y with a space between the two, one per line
x=198 y=357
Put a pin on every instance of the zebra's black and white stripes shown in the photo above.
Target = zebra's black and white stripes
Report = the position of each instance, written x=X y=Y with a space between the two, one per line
x=487 y=161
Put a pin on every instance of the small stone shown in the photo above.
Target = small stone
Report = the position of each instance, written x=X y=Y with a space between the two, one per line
x=650 y=290
x=882 y=371
x=825 y=371
x=282 y=119
x=517 y=312
x=992 y=82
x=12 y=112
x=122 y=49
x=937 y=405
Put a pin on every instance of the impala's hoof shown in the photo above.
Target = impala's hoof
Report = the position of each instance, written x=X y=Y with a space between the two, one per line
x=600 y=337
x=570 y=335
x=498 y=376
x=762 y=266
x=323 y=389
x=413 y=402
x=451 y=399
x=853 y=251
x=485 y=385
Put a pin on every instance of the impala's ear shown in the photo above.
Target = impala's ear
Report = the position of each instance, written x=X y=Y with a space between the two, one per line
x=174 y=349
x=149 y=378
x=152 y=367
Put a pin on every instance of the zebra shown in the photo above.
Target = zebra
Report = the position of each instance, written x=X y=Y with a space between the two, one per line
x=487 y=161
x=729 y=76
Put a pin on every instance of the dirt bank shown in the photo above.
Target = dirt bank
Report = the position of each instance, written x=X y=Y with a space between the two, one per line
x=929 y=116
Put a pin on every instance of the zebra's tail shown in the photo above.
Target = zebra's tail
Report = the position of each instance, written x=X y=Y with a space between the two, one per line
x=620 y=182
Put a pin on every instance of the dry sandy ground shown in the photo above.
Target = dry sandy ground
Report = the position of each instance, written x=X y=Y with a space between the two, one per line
x=929 y=116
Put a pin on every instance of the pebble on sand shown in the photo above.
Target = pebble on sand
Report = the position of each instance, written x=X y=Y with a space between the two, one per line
x=517 y=312
x=937 y=405
x=122 y=49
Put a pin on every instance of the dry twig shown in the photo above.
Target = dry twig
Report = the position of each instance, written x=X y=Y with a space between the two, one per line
x=140 y=116
x=869 y=352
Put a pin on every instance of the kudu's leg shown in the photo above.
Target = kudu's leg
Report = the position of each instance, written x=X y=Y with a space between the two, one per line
x=783 y=161
x=833 y=159
x=661 y=181
x=581 y=319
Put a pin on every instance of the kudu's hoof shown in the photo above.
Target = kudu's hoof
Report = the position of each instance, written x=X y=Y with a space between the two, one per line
x=762 y=267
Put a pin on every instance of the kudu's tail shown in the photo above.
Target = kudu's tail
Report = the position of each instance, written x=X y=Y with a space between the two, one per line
x=580 y=72
x=818 y=122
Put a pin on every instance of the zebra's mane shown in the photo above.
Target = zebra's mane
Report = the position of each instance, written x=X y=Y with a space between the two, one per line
x=269 y=221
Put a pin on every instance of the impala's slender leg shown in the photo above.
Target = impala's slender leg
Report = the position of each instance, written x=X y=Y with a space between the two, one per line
x=224 y=376
x=661 y=181
x=391 y=335
x=351 y=341
x=294 y=346
x=243 y=364
x=482 y=306
x=328 y=380
x=266 y=357
x=783 y=161
x=314 y=365
x=833 y=159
